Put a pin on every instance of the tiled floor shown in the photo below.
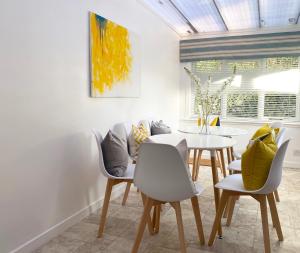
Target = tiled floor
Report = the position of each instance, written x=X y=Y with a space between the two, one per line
x=244 y=235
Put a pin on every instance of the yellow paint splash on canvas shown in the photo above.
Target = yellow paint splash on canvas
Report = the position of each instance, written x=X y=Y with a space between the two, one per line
x=110 y=53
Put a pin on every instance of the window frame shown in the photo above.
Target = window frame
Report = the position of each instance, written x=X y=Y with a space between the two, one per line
x=189 y=108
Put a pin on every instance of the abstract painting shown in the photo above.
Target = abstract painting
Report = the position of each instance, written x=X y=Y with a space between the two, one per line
x=114 y=59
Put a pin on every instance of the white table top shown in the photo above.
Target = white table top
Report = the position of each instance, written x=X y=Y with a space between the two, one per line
x=214 y=130
x=205 y=142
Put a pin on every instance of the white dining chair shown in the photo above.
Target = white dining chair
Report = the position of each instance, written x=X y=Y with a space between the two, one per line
x=162 y=176
x=275 y=124
x=236 y=165
x=233 y=186
x=111 y=181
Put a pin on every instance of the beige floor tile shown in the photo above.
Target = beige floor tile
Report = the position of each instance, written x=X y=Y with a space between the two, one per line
x=244 y=235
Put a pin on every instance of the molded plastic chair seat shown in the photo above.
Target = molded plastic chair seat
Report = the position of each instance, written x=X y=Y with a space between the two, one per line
x=235 y=165
x=237 y=155
x=129 y=173
x=199 y=188
x=233 y=183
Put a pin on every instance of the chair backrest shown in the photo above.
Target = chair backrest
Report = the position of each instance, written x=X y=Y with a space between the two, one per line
x=99 y=140
x=120 y=130
x=280 y=136
x=276 y=124
x=275 y=174
x=162 y=174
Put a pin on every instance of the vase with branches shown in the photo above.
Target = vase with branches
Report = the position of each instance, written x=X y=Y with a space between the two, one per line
x=206 y=98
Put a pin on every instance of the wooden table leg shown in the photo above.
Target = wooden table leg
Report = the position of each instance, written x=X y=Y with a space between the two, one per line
x=215 y=181
x=194 y=165
x=198 y=164
x=229 y=158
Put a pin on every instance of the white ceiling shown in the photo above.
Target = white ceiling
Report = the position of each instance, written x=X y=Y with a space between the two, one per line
x=204 y=16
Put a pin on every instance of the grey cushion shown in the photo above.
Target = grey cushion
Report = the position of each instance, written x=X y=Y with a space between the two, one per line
x=115 y=154
x=159 y=127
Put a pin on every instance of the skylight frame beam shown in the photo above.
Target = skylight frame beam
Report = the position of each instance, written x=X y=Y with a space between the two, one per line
x=184 y=17
x=259 y=14
x=220 y=14
x=297 y=19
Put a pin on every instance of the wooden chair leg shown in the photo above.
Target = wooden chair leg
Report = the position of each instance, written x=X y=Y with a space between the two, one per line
x=223 y=162
x=196 y=209
x=219 y=161
x=232 y=154
x=198 y=164
x=231 y=204
x=146 y=214
x=217 y=222
x=229 y=159
x=274 y=215
x=126 y=193
x=225 y=214
x=149 y=222
x=264 y=220
x=176 y=206
x=109 y=186
x=276 y=196
x=157 y=219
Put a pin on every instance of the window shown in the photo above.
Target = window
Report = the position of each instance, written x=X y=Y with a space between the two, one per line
x=267 y=88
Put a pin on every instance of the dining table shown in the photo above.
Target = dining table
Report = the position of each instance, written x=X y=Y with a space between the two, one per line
x=224 y=131
x=201 y=142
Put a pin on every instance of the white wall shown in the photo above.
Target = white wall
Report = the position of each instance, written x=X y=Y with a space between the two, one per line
x=48 y=161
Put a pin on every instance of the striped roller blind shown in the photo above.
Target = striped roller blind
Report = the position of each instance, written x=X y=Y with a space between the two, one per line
x=241 y=47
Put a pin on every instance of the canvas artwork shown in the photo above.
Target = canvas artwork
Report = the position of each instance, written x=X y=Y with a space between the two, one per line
x=114 y=56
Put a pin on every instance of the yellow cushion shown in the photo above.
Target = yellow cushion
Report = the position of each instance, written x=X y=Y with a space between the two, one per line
x=140 y=133
x=215 y=122
x=257 y=160
x=266 y=128
x=201 y=122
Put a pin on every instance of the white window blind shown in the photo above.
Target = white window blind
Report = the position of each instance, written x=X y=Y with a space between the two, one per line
x=266 y=88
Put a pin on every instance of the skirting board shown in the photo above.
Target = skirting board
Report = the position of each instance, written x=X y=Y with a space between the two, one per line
x=292 y=165
x=57 y=229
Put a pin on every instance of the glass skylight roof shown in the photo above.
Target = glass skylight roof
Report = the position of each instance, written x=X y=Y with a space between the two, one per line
x=165 y=9
x=202 y=14
x=239 y=14
x=219 y=15
x=279 y=12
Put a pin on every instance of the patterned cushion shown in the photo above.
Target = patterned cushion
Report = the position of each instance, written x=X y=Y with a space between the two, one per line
x=137 y=135
x=140 y=133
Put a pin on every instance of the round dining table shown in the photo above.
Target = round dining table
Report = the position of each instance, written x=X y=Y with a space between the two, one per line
x=201 y=142
x=214 y=130
x=219 y=131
